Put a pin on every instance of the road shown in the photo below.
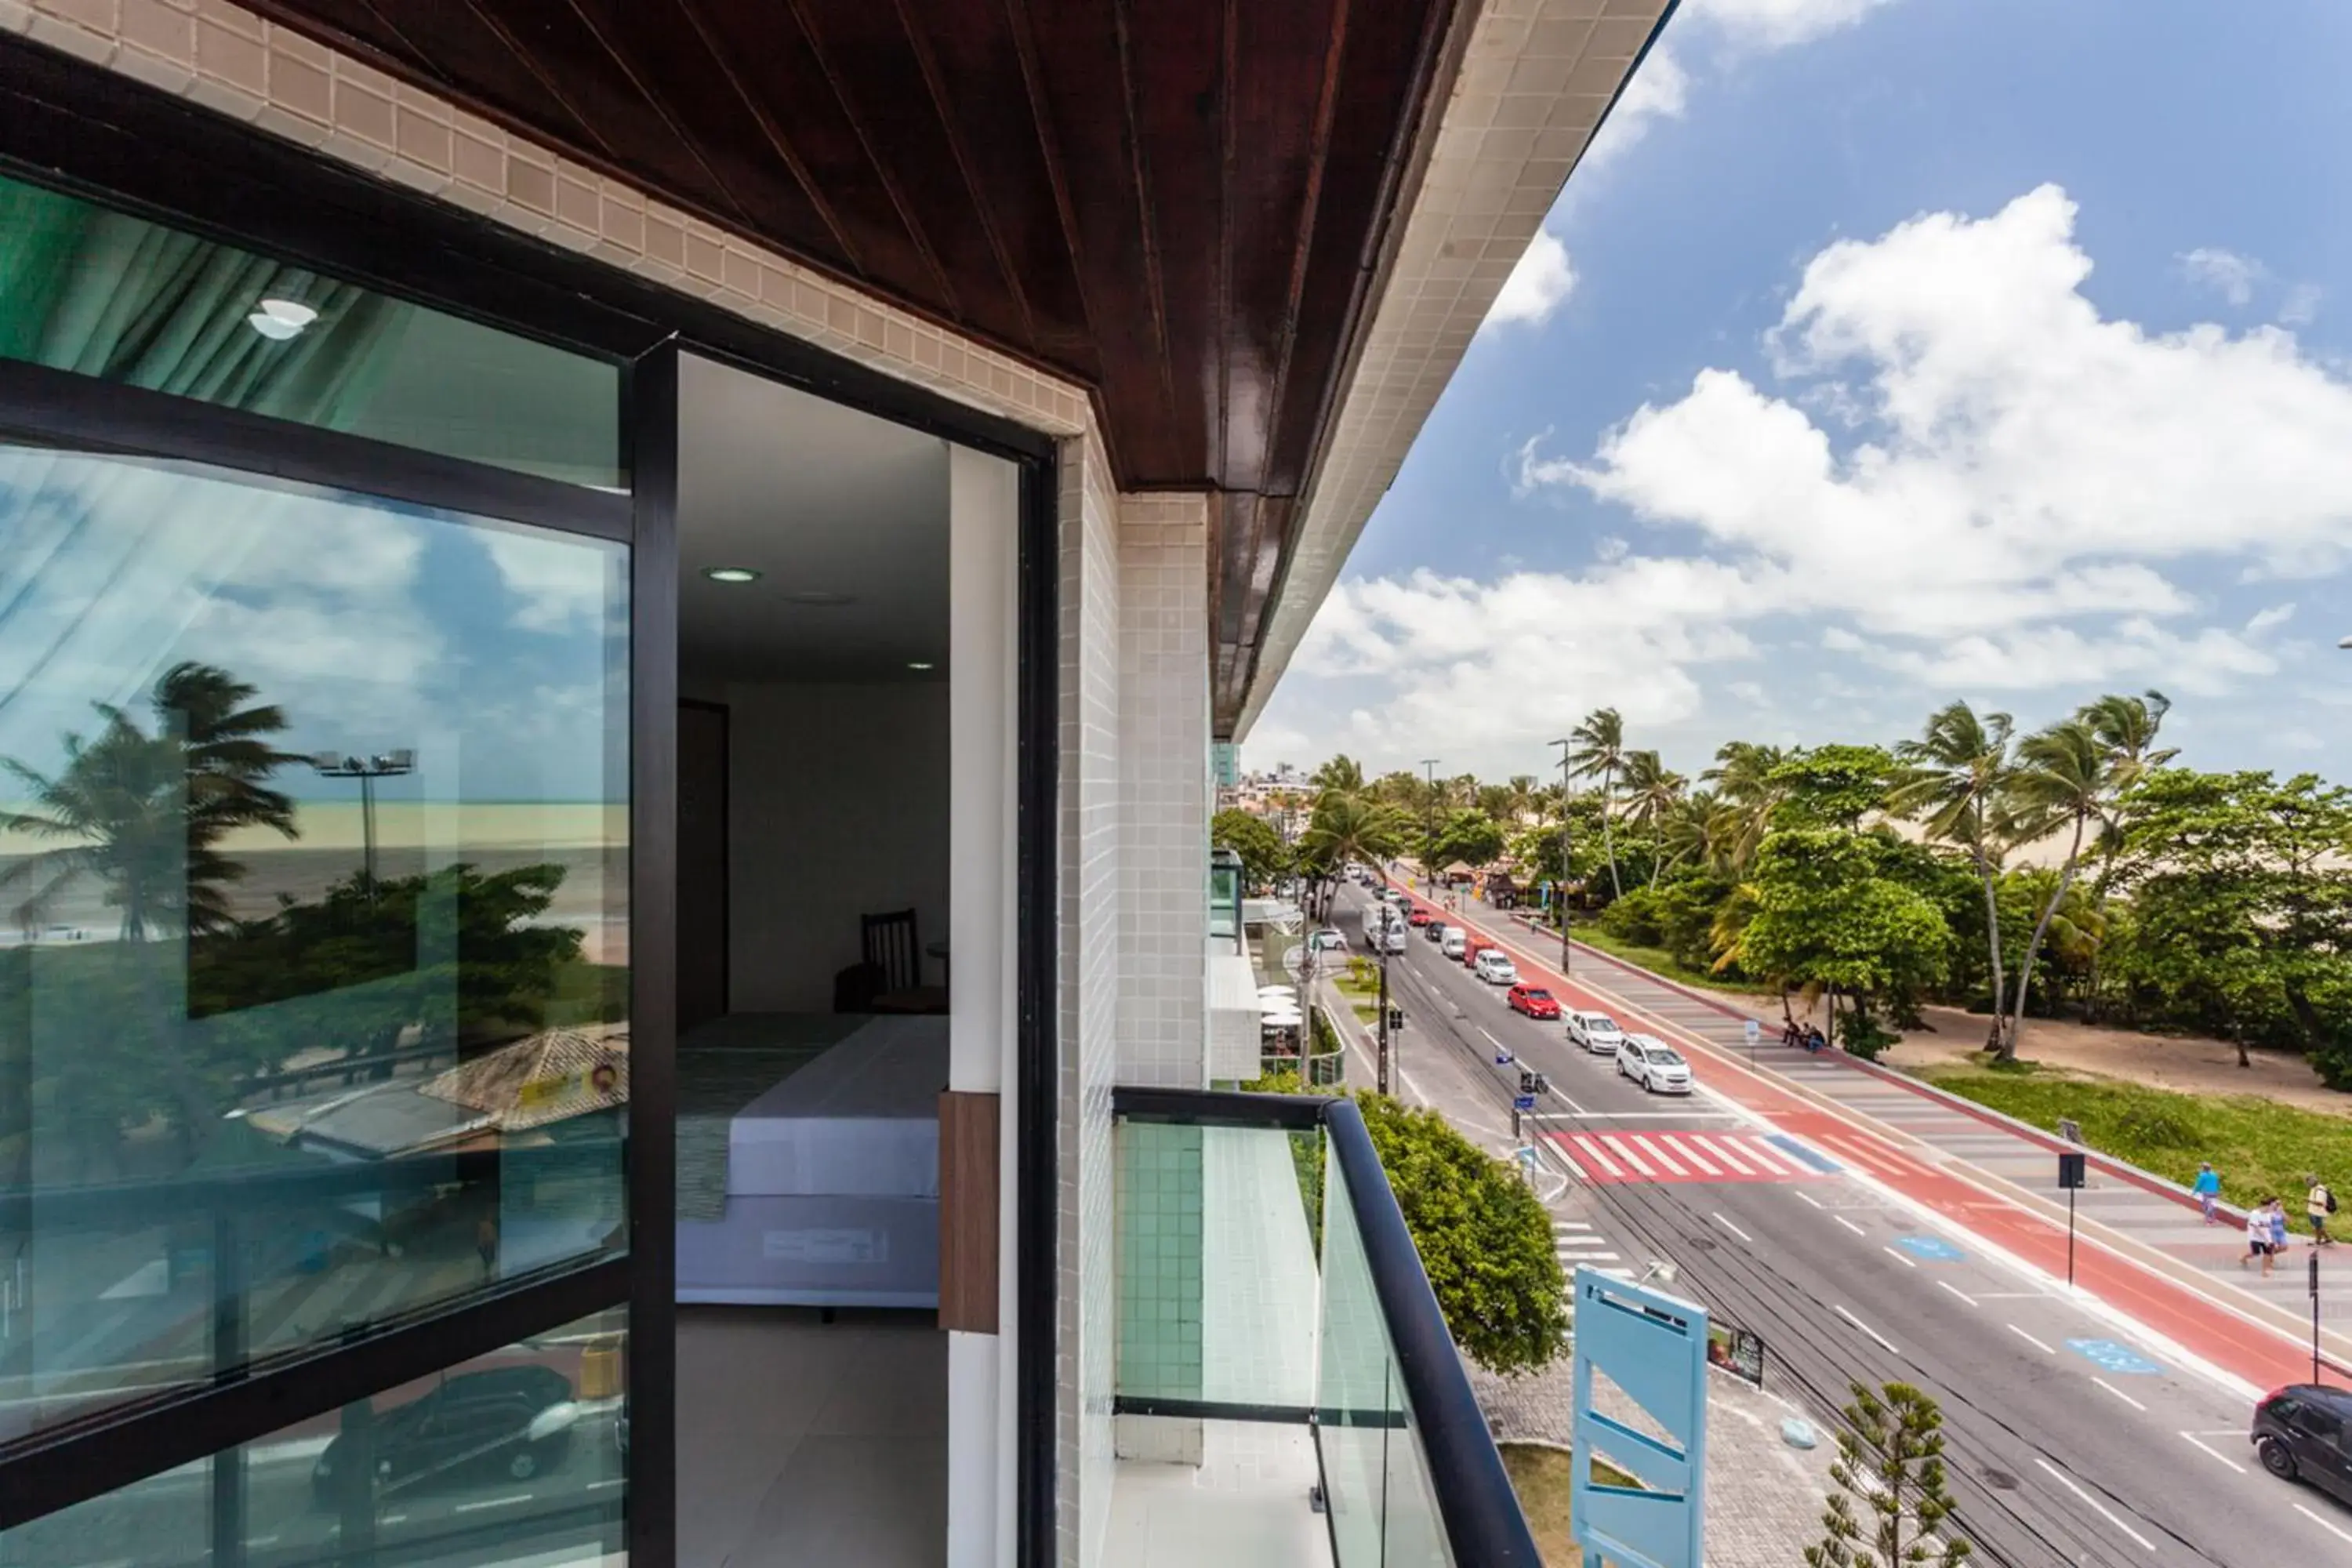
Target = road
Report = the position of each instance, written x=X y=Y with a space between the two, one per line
x=2071 y=1437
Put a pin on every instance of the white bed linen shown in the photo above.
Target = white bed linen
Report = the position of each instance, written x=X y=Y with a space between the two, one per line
x=861 y=1120
x=829 y=1251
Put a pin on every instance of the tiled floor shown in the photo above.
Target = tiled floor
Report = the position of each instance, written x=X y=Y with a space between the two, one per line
x=1245 y=1505
x=802 y=1442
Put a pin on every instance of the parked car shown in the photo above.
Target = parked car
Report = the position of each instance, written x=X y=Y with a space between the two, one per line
x=2304 y=1433
x=1594 y=1032
x=1534 y=1001
x=1455 y=943
x=507 y=1423
x=1328 y=940
x=1471 y=948
x=1496 y=968
x=1653 y=1064
x=1420 y=915
x=1435 y=932
x=1392 y=939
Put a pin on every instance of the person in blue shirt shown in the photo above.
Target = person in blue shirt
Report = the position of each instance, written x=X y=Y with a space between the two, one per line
x=2207 y=1188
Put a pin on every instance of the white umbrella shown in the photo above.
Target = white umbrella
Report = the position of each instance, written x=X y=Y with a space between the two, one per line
x=1282 y=1017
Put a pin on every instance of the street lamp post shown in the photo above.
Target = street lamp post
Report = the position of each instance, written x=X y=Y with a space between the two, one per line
x=1428 y=816
x=367 y=769
x=1562 y=884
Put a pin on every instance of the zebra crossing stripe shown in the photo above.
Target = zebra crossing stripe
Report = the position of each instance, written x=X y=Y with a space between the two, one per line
x=1673 y=1166
x=1626 y=1152
x=1729 y=1151
x=1589 y=1147
x=1691 y=1152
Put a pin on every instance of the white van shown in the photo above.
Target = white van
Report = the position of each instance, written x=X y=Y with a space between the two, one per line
x=1455 y=943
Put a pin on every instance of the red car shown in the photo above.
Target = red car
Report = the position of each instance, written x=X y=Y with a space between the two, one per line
x=1422 y=915
x=1533 y=1000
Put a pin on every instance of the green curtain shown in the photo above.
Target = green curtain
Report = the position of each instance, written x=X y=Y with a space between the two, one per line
x=123 y=299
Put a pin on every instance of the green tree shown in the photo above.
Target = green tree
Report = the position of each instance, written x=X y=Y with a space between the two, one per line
x=1344 y=830
x=1342 y=773
x=1264 y=856
x=1954 y=783
x=1744 y=780
x=2066 y=782
x=1893 y=1501
x=1822 y=911
x=1834 y=786
x=1653 y=792
x=1470 y=836
x=1597 y=749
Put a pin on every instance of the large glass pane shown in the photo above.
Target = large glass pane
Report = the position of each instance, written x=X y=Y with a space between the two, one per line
x=519 y=1456
x=1357 y=1399
x=313 y=934
x=108 y=295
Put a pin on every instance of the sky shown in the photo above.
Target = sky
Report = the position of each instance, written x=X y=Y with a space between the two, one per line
x=1881 y=353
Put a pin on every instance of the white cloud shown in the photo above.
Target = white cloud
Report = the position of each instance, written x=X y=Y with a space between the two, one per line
x=2225 y=272
x=1778 y=24
x=1659 y=91
x=558 y=582
x=2263 y=620
x=2301 y=304
x=1537 y=286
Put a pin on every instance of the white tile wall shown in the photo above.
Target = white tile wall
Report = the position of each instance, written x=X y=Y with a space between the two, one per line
x=1164 y=790
x=1089 y=887
x=1535 y=76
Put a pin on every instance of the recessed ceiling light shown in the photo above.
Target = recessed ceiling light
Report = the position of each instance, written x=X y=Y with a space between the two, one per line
x=732 y=574
x=278 y=319
x=818 y=597
x=270 y=327
x=916 y=663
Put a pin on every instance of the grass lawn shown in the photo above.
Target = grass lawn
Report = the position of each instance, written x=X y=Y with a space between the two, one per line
x=1542 y=1477
x=1659 y=960
x=2259 y=1147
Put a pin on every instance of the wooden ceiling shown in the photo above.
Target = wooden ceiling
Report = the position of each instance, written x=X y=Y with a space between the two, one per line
x=1177 y=204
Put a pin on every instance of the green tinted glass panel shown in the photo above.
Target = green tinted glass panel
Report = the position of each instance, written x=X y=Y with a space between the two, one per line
x=105 y=294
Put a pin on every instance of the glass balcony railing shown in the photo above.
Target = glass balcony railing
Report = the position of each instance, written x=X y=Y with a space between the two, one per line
x=1265 y=1276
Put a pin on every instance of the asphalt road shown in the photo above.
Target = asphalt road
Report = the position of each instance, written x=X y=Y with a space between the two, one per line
x=2069 y=1440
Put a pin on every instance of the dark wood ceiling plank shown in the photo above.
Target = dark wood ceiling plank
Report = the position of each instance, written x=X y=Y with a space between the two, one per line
x=1178 y=50
x=1023 y=41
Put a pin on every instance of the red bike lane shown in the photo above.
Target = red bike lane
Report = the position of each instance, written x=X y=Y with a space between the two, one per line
x=2235 y=1343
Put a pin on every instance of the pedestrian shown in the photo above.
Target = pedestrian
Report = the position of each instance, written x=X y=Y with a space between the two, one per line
x=486 y=1244
x=2278 y=1234
x=2317 y=1204
x=2258 y=1236
x=2207 y=1188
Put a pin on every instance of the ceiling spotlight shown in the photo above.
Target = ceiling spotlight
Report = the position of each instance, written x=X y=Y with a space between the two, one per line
x=278 y=319
x=270 y=327
x=918 y=664
x=732 y=574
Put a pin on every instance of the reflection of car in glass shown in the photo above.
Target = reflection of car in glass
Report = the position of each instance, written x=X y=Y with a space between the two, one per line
x=1595 y=1032
x=1653 y=1064
x=1328 y=940
x=1534 y=1001
x=2304 y=1433
x=1496 y=968
x=509 y=1422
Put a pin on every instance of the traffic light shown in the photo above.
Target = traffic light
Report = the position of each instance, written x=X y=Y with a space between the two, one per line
x=1396 y=1019
x=1531 y=1082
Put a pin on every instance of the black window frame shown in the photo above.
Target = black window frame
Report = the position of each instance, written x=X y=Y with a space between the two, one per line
x=93 y=132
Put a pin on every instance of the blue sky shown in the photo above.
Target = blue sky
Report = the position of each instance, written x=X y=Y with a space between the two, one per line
x=1885 y=352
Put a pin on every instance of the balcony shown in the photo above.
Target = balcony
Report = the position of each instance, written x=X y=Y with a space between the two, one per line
x=1286 y=1391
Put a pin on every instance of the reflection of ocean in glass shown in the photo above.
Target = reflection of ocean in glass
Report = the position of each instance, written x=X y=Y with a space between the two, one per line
x=250 y=1095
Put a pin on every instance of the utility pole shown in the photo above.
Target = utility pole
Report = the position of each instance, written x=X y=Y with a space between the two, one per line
x=1561 y=886
x=367 y=769
x=1428 y=816
x=1383 y=1073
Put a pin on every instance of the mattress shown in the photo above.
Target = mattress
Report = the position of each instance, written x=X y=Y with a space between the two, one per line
x=828 y=1251
x=861 y=1120
x=722 y=1067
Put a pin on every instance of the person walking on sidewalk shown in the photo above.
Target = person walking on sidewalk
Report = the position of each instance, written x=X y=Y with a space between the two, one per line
x=2317 y=1204
x=2266 y=1235
x=2207 y=1188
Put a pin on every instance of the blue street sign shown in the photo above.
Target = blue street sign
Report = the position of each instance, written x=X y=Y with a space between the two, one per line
x=1502 y=1058
x=1933 y=1249
x=2109 y=1356
x=1523 y=1102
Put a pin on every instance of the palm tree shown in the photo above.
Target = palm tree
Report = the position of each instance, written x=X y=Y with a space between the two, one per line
x=2129 y=726
x=1742 y=776
x=1954 y=782
x=1696 y=832
x=1653 y=791
x=1348 y=829
x=1525 y=796
x=2065 y=779
x=1597 y=746
x=1342 y=773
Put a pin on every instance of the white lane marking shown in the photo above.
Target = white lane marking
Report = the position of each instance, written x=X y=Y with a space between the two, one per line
x=1578 y=1259
x=1577 y=1243
x=1692 y=1150
x=2322 y=1523
x=2011 y=1295
x=2103 y=1509
x=1625 y=1152
x=1849 y=1225
x=1657 y=1152
x=2119 y=1394
x=1735 y=1230
x=2213 y=1452
x=492 y=1502
x=1906 y=1262
x=1956 y=1290
x=1866 y=1329
x=1571 y=1225
x=1743 y=1160
x=1575 y=1165
x=1637 y=1115
x=1813 y=1200
x=1589 y=1147
x=2029 y=1338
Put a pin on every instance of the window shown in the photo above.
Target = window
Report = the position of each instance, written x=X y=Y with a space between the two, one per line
x=313 y=919
x=105 y=294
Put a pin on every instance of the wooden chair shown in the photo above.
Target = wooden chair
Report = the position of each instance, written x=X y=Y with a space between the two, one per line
x=894 y=955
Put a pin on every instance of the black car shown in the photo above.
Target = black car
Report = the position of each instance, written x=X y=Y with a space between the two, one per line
x=507 y=1423
x=1434 y=931
x=2303 y=1432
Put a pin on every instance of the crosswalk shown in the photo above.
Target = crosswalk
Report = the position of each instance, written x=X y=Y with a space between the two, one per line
x=1683 y=1155
x=1581 y=1247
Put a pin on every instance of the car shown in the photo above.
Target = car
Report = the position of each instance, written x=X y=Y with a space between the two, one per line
x=1328 y=940
x=1455 y=943
x=1533 y=1000
x=1391 y=940
x=2304 y=1433
x=505 y=1423
x=1594 y=1032
x=1496 y=968
x=1435 y=932
x=1656 y=1065
x=1421 y=916
x=1471 y=948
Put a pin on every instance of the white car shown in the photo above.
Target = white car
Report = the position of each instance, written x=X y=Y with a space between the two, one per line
x=1653 y=1064
x=1328 y=940
x=1392 y=939
x=1496 y=968
x=1595 y=1032
x=1455 y=943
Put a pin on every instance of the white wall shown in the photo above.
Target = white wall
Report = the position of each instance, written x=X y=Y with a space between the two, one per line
x=838 y=806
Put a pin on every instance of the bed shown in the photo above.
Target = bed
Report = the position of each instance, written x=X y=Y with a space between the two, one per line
x=808 y=1160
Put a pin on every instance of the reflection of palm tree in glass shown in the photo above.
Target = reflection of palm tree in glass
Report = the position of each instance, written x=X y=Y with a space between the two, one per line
x=146 y=813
